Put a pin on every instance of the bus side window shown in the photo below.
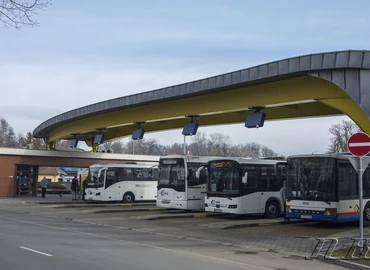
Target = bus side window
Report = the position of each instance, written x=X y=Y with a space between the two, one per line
x=253 y=179
x=129 y=174
x=192 y=179
x=154 y=174
x=347 y=181
x=366 y=183
x=110 y=177
x=203 y=176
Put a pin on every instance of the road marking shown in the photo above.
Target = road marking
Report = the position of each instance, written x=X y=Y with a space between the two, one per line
x=201 y=215
x=268 y=223
x=36 y=251
x=134 y=243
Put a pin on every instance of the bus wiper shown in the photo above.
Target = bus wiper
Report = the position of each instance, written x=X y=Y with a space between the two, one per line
x=292 y=198
x=210 y=195
x=324 y=200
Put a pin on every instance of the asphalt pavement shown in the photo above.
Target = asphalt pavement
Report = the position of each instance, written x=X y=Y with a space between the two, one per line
x=39 y=242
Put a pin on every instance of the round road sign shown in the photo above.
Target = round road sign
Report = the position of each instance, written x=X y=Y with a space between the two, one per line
x=359 y=144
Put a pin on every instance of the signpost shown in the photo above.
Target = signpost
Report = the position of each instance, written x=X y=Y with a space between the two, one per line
x=359 y=146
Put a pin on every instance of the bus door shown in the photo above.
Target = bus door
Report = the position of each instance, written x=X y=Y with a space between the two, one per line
x=267 y=185
x=250 y=194
x=196 y=186
x=281 y=177
x=110 y=180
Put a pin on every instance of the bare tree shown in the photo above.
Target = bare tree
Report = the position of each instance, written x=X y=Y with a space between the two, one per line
x=198 y=145
x=117 y=146
x=62 y=145
x=18 y=13
x=34 y=143
x=268 y=152
x=8 y=138
x=340 y=134
x=218 y=144
x=176 y=148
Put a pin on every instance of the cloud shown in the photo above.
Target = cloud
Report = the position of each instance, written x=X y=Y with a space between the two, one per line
x=83 y=54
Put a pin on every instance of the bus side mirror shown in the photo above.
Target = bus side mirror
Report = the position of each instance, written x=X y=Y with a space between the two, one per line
x=197 y=173
x=245 y=178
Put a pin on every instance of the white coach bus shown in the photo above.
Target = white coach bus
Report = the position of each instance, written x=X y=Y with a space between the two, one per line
x=122 y=182
x=245 y=186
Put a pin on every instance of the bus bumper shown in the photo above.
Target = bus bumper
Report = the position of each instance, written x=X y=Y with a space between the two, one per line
x=313 y=217
x=172 y=204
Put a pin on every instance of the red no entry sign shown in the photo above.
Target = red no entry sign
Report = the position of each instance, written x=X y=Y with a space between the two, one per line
x=359 y=144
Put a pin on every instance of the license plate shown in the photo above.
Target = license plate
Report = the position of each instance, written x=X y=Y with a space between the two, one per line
x=306 y=216
x=217 y=210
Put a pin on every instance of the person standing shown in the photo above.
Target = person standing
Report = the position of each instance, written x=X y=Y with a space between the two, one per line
x=84 y=186
x=44 y=185
x=284 y=193
x=74 y=188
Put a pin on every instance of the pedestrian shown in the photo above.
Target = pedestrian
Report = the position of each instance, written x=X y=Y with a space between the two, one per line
x=284 y=192
x=44 y=185
x=74 y=188
x=84 y=186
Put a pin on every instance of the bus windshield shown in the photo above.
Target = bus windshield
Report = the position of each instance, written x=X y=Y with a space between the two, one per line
x=312 y=178
x=224 y=178
x=95 y=181
x=172 y=174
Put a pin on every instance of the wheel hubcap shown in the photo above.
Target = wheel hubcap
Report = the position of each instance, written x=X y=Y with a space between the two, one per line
x=367 y=213
x=272 y=209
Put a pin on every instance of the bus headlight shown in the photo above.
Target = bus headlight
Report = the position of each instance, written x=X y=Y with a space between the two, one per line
x=233 y=206
x=330 y=212
x=97 y=194
x=206 y=205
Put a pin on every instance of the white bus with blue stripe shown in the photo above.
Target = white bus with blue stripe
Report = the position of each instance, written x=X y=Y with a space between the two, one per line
x=325 y=188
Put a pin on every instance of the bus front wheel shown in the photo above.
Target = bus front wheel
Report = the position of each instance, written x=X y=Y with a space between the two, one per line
x=272 y=209
x=367 y=215
x=128 y=197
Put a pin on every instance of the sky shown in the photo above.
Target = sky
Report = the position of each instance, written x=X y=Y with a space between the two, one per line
x=85 y=52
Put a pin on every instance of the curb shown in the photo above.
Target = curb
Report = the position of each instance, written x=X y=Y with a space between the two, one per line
x=127 y=210
x=202 y=215
x=263 y=224
x=344 y=263
x=91 y=204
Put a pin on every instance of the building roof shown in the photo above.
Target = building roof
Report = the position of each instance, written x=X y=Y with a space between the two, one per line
x=51 y=171
x=327 y=66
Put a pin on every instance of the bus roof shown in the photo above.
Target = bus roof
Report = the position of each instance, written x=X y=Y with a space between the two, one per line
x=112 y=165
x=251 y=160
x=192 y=159
x=343 y=155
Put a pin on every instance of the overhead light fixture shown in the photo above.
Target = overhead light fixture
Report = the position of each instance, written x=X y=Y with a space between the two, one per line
x=74 y=142
x=192 y=127
x=99 y=138
x=256 y=119
x=138 y=133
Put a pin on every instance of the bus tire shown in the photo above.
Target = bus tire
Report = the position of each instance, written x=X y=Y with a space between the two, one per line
x=367 y=215
x=272 y=209
x=128 y=197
